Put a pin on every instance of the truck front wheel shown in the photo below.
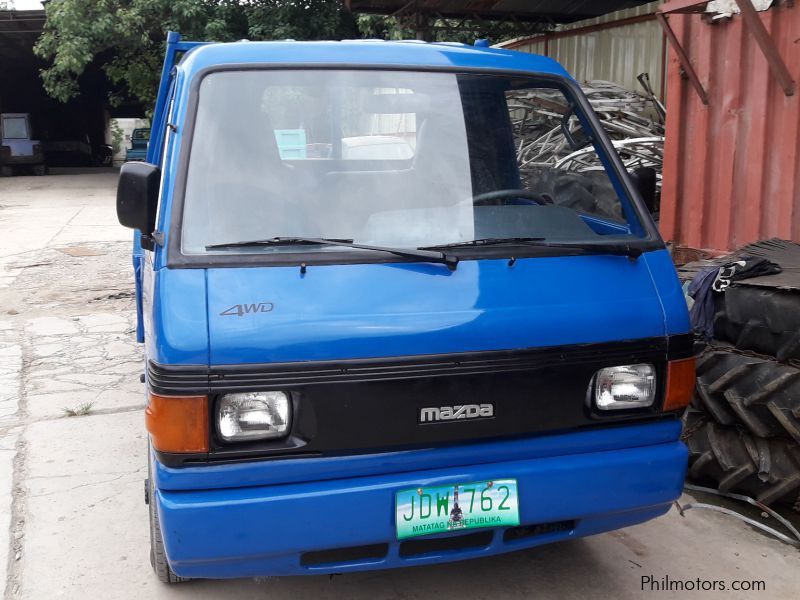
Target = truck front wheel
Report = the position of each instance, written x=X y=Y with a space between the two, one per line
x=158 y=558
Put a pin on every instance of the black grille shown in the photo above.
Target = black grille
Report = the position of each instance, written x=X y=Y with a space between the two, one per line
x=467 y=541
x=375 y=405
x=184 y=379
x=344 y=555
x=526 y=531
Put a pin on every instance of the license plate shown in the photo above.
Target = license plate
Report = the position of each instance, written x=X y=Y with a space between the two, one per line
x=431 y=510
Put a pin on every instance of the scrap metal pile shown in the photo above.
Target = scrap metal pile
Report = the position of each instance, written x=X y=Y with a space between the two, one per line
x=634 y=121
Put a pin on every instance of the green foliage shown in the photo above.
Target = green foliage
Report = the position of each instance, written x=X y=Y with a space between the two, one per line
x=116 y=137
x=127 y=36
x=439 y=30
x=299 y=20
x=382 y=28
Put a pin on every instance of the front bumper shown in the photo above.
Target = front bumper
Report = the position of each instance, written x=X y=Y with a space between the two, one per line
x=23 y=160
x=282 y=529
x=136 y=155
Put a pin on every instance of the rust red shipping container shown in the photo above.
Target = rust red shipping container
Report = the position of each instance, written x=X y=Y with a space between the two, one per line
x=732 y=166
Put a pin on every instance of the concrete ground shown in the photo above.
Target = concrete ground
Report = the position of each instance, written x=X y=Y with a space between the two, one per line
x=73 y=523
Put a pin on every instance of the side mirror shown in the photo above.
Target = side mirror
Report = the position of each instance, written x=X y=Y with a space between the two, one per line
x=644 y=180
x=576 y=139
x=137 y=198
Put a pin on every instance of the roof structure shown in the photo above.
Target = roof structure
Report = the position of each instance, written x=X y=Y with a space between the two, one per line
x=536 y=11
x=19 y=30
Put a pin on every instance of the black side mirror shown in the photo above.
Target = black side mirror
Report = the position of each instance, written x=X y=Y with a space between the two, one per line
x=644 y=180
x=576 y=139
x=137 y=198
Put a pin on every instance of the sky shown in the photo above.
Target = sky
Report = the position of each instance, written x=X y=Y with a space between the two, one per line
x=26 y=4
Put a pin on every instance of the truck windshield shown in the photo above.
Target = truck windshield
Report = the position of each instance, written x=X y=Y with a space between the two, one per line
x=393 y=158
x=15 y=128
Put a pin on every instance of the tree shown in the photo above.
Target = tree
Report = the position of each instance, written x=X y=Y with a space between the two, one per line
x=437 y=29
x=128 y=36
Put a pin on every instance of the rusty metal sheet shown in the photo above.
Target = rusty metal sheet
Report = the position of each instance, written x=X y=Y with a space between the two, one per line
x=732 y=168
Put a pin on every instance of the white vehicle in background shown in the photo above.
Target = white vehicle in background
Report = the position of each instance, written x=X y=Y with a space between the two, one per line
x=17 y=150
x=376 y=147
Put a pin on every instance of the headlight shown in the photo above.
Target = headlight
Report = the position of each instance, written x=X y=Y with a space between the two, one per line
x=629 y=386
x=253 y=416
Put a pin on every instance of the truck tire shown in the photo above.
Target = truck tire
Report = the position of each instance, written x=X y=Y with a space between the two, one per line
x=732 y=460
x=756 y=392
x=39 y=170
x=765 y=320
x=158 y=558
x=6 y=171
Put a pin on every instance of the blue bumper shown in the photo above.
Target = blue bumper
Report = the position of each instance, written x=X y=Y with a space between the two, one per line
x=280 y=529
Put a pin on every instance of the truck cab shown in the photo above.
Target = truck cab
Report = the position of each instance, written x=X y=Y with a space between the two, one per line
x=138 y=148
x=18 y=150
x=380 y=330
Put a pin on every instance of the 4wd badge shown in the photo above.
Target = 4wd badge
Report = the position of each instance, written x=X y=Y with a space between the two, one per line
x=240 y=310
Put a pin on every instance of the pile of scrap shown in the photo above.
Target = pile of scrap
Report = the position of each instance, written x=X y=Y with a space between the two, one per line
x=633 y=120
x=743 y=427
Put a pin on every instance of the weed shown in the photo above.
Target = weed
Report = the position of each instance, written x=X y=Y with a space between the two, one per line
x=78 y=411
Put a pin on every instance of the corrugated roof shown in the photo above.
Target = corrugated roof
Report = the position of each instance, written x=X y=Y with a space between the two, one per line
x=554 y=11
x=19 y=30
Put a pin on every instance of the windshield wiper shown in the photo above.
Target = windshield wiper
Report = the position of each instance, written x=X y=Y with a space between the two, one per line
x=485 y=242
x=419 y=254
x=279 y=241
x=590 y=247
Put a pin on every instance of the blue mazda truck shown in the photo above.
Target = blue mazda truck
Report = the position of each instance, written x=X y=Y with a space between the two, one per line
x=388 y=320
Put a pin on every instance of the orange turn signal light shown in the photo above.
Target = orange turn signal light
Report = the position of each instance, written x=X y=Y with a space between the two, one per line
x=178 y=423
x=680 y=384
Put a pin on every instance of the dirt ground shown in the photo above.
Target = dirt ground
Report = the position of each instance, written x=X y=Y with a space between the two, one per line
x=73 y=523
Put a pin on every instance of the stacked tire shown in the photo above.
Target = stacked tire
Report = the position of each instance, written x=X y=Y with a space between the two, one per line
x=743 y=428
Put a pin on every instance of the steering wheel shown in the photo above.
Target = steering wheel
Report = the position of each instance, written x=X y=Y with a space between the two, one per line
x=487 y=198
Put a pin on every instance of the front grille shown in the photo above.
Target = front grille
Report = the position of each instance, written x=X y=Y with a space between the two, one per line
x=375 y=405
x=429 y=546
x=186 y=379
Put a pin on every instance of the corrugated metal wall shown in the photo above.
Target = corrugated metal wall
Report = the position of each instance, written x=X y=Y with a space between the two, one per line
x=617 y=53
x=731 y=169
x=535 y=45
